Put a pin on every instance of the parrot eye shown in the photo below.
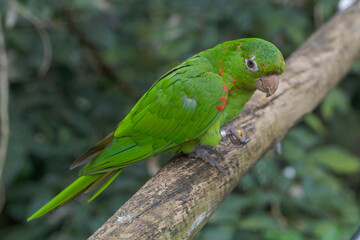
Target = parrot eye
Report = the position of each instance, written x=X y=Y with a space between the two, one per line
x=251 y=64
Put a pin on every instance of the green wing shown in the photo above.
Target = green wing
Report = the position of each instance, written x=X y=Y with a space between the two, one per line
x=181 y=106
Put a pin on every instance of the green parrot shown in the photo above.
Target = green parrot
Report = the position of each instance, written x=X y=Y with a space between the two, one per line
x=183 y=109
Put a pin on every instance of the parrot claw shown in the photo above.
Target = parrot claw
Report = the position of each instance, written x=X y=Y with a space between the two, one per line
x=206 y=157
x=238 y=137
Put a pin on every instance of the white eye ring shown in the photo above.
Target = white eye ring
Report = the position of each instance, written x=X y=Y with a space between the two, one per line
x=251 y=64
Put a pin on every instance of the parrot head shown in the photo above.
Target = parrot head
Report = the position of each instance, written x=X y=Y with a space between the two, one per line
x=261 y=63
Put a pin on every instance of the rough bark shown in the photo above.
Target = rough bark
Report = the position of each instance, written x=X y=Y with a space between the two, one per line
x=178 y=200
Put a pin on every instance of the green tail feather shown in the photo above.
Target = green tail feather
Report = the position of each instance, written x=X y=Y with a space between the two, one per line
x=67 y=194
x=105 y=185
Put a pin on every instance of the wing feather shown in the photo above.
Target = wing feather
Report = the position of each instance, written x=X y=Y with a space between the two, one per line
x=179 y=107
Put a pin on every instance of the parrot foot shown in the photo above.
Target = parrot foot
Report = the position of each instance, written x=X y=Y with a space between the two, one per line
x=206 y=157
x=238 y=137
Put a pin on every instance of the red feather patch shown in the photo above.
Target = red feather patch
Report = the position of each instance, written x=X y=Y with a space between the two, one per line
x=225 y=89
x=220 y=108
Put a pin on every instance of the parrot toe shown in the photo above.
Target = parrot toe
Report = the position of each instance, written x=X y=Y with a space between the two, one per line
x=238 y=137
x=206 y=157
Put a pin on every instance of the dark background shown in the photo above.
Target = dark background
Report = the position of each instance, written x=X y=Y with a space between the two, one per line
x=106 y=54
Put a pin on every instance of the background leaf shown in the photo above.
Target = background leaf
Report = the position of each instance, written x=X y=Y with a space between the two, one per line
x=336 y=159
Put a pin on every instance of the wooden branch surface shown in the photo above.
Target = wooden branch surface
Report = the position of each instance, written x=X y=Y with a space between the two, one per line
x=178 y=200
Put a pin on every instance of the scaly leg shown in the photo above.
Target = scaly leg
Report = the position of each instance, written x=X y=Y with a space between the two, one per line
x=206 y=157
x=237 y=136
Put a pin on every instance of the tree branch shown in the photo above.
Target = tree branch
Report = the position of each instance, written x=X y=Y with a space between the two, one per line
x=93 y=51
x=178 y=200
x=41 y=29
x=4 y=111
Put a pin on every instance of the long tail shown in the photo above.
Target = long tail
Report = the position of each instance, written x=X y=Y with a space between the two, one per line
x=82 y=184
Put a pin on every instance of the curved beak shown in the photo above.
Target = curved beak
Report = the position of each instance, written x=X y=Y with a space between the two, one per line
x=268 y=84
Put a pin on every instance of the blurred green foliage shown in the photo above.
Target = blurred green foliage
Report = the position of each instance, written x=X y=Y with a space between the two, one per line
x=311 y=191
